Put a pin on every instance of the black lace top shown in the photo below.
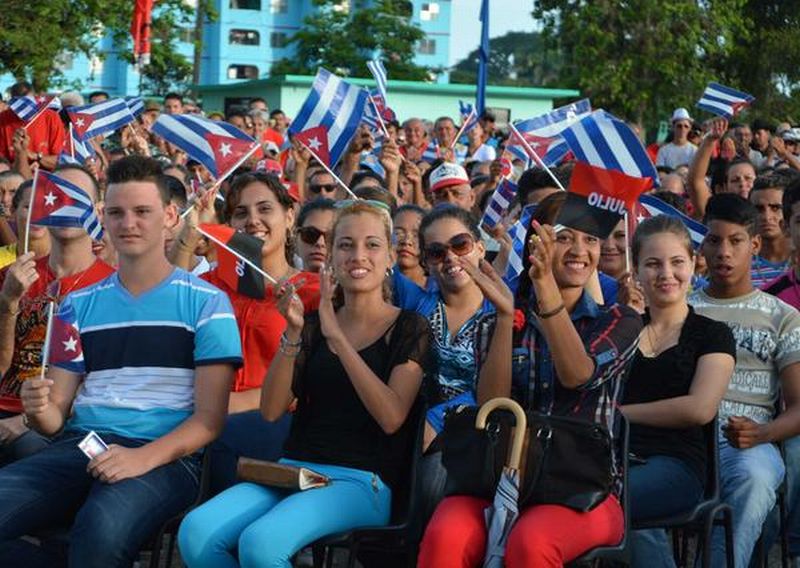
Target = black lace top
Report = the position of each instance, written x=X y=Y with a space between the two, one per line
x=332 y=425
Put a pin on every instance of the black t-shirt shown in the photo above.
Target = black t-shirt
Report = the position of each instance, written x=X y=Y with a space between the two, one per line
x=669 y=375
x=331 y=424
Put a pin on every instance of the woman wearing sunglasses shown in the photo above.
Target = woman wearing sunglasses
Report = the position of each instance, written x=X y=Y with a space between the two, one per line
x=578 y=354
x=259 y=205
x=314 y=222
x=355 y=368
x=470 y=315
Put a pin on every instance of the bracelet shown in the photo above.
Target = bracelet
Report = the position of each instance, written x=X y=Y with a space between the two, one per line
x=551 y=313
x=286 y=353
x=285 y=341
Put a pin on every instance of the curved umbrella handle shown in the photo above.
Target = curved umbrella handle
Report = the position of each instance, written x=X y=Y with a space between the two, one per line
x=522 y=424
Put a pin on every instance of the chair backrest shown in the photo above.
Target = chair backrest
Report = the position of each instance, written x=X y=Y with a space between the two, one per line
x=711 y=433
x=403 y=495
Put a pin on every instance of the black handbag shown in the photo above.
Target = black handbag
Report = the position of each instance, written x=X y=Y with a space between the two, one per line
x=566 y=461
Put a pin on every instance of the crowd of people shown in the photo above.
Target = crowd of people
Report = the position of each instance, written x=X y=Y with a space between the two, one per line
x=370 y=305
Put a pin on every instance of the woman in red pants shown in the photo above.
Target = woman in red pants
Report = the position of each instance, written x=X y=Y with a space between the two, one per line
x=579 y=355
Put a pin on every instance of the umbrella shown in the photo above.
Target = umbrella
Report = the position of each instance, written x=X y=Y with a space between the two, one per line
x=503 y=512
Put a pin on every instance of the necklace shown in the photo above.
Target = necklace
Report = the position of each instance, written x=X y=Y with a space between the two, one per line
x=656 y=341
x=54 y=288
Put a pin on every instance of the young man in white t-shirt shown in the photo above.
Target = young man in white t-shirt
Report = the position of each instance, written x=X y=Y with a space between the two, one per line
x=767 y=333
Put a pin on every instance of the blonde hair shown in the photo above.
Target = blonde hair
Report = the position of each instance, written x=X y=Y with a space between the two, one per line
x=363 y=207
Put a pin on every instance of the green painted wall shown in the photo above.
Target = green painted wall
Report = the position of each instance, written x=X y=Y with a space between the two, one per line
x=407 y=98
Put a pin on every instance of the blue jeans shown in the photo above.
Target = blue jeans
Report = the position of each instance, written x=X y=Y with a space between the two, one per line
x=111 y=521
x=27 y=444
x=246 y=434
x=772 y=526
x=265 y=527
x=749 y=479
x=662 y=487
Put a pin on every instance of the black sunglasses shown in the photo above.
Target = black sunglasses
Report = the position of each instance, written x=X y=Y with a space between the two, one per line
x=326 y=187
x=310 y=235
x=462 y=244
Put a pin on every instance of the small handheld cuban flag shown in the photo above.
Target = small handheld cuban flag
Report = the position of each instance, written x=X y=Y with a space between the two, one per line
x=469 y=118
x=379 y=73
x=612 y=169
x=333 y=109
x=135 y=105
x=100 y=118
x=28 y=107
x=56 y=202
x=238 y=258
x=542 y=133
x=65 y=350
x=517 y=233
x=75 y=150
x=651 y=206
x=219 y=146
x=724 y=101
x=499 y=202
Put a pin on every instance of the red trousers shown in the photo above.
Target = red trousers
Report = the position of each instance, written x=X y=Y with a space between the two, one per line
x=543 y=536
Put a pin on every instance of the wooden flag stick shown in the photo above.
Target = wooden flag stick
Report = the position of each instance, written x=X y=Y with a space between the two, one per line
x=47 y=337
x=535 y=156
x=27 y=243
x=461 y=130
x=247 y=261
x=330 y=171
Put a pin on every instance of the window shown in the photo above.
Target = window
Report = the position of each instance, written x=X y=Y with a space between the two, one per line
x=279 y=6
x=245 y=4
x=427 y=46
x=429 y=11
x=242 y=72
x=278 y=39
x=244 y=37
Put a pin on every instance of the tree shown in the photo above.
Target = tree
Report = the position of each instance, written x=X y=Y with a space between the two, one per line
x=34 y=34
x=765 y=62
x=516 y=59
x=641 y=58
x=342 y=42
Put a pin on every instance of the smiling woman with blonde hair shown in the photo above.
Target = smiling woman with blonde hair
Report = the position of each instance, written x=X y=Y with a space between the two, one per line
x=355 y=371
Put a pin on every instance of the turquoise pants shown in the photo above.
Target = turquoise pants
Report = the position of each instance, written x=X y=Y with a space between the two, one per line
x=264 y=527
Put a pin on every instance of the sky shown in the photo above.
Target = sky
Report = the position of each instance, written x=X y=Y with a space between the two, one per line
x=504 y=16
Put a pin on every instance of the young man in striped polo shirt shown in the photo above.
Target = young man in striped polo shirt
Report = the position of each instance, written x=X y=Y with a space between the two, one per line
x=148 y=368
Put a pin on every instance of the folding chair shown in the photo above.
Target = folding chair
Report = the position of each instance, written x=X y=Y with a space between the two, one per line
x=401 y=536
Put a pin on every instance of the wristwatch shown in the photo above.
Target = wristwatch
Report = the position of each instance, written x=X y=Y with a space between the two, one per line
x=39 y=157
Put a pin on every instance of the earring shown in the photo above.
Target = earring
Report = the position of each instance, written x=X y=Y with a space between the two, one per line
x=389 y=272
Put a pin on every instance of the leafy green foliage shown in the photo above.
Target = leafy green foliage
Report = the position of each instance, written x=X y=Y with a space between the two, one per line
x=33 y=34
x=518 y=59
x=343 y=41
x=642 y=58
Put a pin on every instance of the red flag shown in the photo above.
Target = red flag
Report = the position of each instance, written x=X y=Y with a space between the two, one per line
x=316 y=140
x=237 y=253
x=140 y=30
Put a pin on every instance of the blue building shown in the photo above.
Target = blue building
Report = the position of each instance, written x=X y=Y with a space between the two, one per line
x=247 y=37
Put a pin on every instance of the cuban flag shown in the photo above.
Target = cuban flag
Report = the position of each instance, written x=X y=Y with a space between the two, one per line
x=28 y=107
x=379 y=73
x=333 y=109
x=543 y=133
x=724 y=101
x=517 y=234
x=469 y=118
x=611 y=171
x=135 y=105
x=76 y=151
x=498 y=205
x=65 y=349
x=372 y=111
x=651 y=206
x=431 y=153
x=219 y=146
x=100 y=118
x=57 y=202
